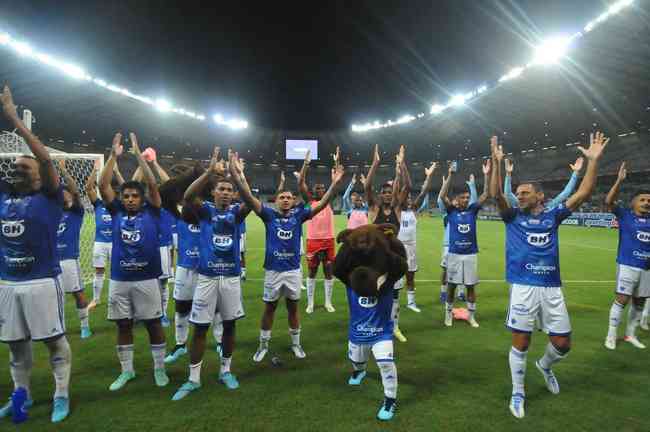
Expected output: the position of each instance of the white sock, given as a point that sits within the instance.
(646, 310)
(471, 308)
(449, 306)
(394, 312)
(83, 316)
(295, 336)
(98, 284)
(20, 364)
(243, 271)
(182, 326)
(443, 288)
(517, 360)
(61, 362)
(311, 288)
(329, 285)
(410, 297)
(217, 328)
(388, 372)
(164, 294)
(551, 356)
(125, 355)
(195, 372)
(158, 354)
(615, 313)
(633, 319)
(225, 365)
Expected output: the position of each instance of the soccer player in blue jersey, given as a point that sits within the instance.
(103, 233)
(462, 259)
(31, 297)
(533, 268)
(133, 290)
(189, 234)
(633, 275)
(358, 265)
(218, 287)
(67, 243)
(283, 277)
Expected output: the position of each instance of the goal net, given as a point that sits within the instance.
(79, 166)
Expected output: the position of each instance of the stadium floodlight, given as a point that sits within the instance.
(73, 70)
(4, 38)
(163, 105)
(552, 50)
(405, 119)
(481, 89)
(22, 48)
(512, 74)
(437, 109)
(100, 82)
(457, 100)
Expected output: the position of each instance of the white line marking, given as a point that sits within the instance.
(483, 280)
(588, 246)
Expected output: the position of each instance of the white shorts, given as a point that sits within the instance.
(632, 281)
(31, 310)
(462, 269)
(546, 303)
(71, 276)
(175, 241)
(165, 262)
(443, 259)
(138, 300)
(411, 256)
(102, 254)
(242, 243)
(278, 284)
(185, 283)
(217, 294)
(382, 351)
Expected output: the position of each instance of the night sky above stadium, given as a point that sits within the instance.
(298, 65)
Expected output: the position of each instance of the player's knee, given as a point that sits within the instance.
(562, 344)
(228, 326)
(639, 302)
(183, 307)
(124, 325)
(622, 299)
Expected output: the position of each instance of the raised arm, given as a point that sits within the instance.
(237, 174)
(612, 195)
(471, 184)
(105, 188)
(495, 179)
(507, 184)
(398, 183)
(281, 184)
(161, 172)
(347, 202)
(91, 184)
(337, 178)
(118, 174)
(426, 187)
(444, 190)
(148, 177)
(49, 176)
(570, 186)
(487, 165)
(597, 144)
(406, 184)
(70, 183)
(302, 176)
(367, 187)
(192, 195)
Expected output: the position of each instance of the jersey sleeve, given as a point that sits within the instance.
(509, 214)
(619, 211)
(474, 208)
(114, 206)
(266, 214)
(204, 211)
(97, 203)
(561, 212)
(305, 213)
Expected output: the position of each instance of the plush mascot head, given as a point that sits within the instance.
(370, 259)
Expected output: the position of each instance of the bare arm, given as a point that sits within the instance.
(236, 172)
(281, 184)
(407, 185)
(118, 175)
(397, 182)
(487, 165)
(192, 195)
(495, 180)
(105, 188)
(302, 183)
(337, 177)
(444, 190)
(367, 187)
(597, 144)
(612, 195)
(49, 176)
(149, 179)
(426, 186)
(137, 175)
(70, 183)
(161, 172)
(91, 185)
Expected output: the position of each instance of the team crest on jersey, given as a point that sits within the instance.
(538, 239)
(61, 228)
(222, 242)
(368, 302)
(107, 218)
(643, 236)
(284, 234)
(13, 228)
(463, 228)
(131, 237)
(193, 228)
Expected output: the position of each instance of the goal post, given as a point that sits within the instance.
(79, 166)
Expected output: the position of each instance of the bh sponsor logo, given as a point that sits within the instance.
(193, 228)
(538, 239)
(643, 236)
(131, 237)
(13, 228)
(284, 234)
(463, 228)
(222, 242)
(368, 302)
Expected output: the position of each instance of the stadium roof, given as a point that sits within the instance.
(307, 70)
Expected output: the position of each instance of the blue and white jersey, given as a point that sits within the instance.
(242, 229)
(103, 223)
(28, 242)
(167, 221)
(370, 317)
(136, 244)
(462, 230)
(532, 253)
(633, 239)
(189, 237)
(283, 237)
(67, 238)
(219, 253)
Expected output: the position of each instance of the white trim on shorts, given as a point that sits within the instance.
(165, 262)
(632, 281)
(529, 302)
(382, 351)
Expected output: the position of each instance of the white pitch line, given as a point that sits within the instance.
(483, 280)
(588, 246)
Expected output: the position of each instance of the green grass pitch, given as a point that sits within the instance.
(453, 379)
